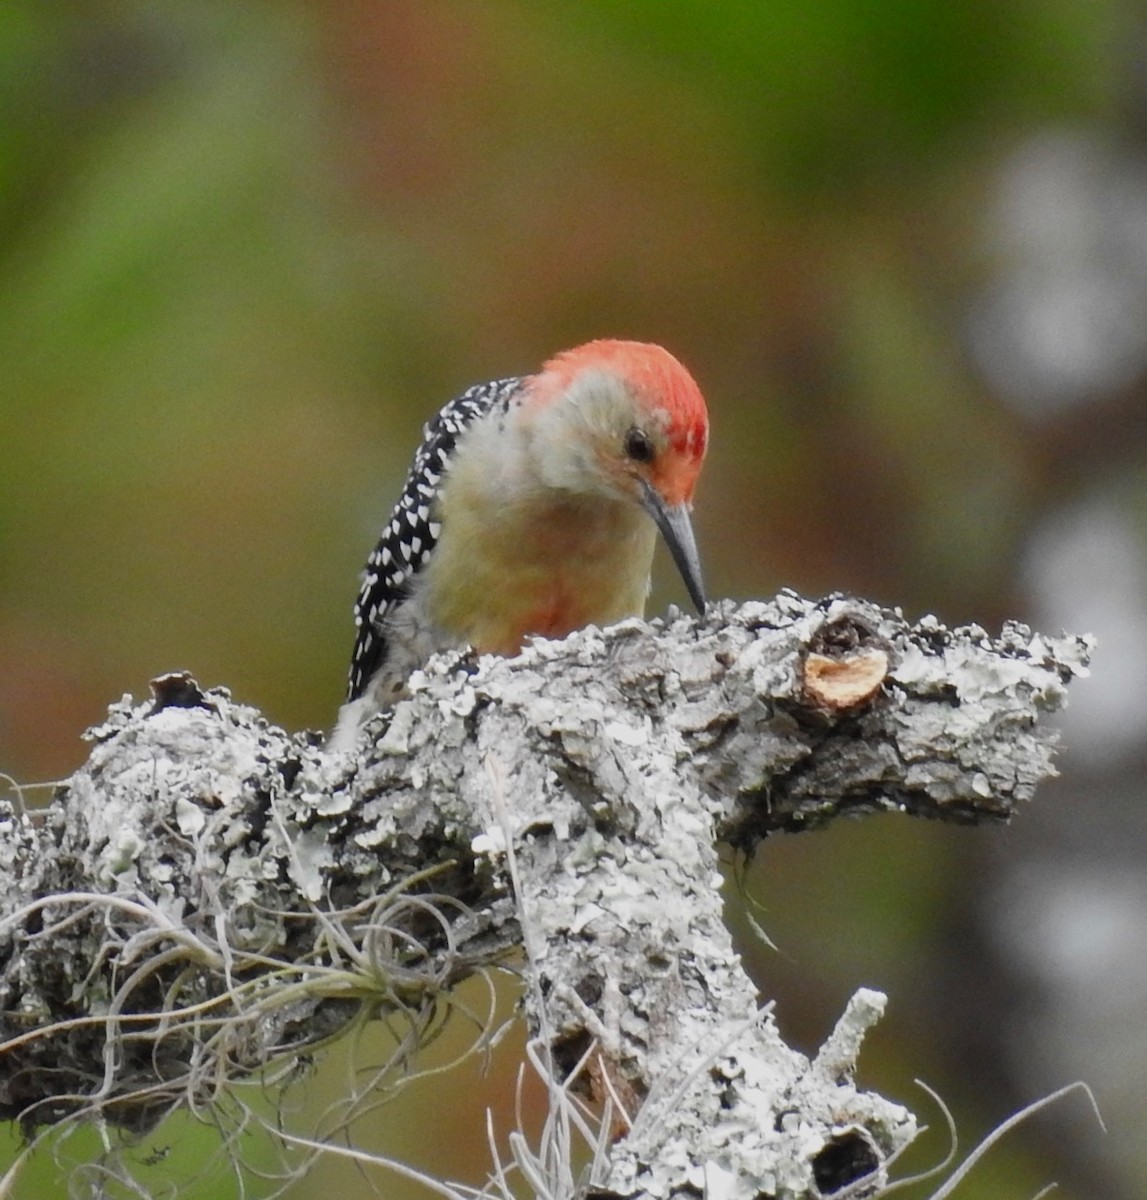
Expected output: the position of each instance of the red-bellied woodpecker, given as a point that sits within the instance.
(532, 507)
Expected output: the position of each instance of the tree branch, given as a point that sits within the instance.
(209, 894)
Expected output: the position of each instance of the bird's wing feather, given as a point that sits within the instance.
(409, 537)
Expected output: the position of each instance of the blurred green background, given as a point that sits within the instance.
(246, 249)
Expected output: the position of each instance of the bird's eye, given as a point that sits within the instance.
(639, 445)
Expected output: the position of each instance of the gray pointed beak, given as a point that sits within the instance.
(677, 530)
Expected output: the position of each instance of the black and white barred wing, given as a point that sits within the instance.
(409, 538)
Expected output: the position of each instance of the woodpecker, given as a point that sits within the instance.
(531, 508)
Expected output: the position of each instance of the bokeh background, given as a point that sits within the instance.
(246, 249)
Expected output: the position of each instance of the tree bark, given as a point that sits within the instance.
(210, 894)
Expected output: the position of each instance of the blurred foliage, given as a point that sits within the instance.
(851, 94)
(247, 249)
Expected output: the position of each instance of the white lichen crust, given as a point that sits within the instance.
(571, 800)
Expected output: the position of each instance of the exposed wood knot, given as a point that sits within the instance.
(848, 1157)
(177, 689)
(846, 664)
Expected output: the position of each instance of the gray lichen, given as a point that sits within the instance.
(205, 862)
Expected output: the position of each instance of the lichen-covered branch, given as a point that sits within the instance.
(210, 894)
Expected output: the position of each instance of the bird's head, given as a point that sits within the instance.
(631, 423)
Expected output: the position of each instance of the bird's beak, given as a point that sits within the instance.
(677, 530)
